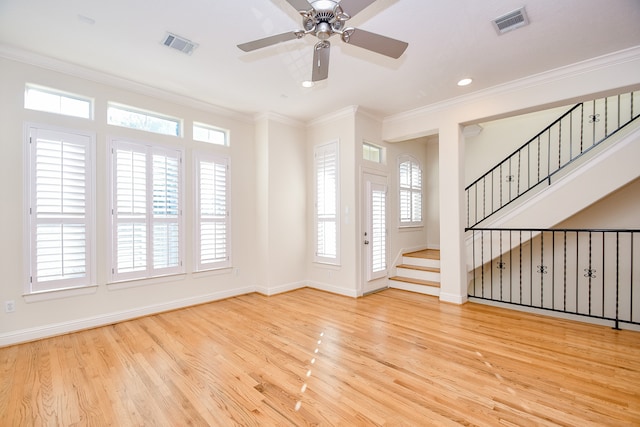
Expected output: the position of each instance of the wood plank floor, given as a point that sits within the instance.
(312, 358)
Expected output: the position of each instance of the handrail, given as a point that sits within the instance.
(586, 272)
(535, 161)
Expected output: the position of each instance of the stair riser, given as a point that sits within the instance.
(421, 262)
(418, 274)
(427, 290)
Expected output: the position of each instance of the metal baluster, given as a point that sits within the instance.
(617, 279)
(564, 299)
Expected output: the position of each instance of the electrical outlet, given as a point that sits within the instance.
(9, 306)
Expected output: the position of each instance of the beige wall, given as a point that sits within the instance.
(272, 228)
(57, 313)
(620, 209)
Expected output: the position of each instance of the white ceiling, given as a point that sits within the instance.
(448, 40)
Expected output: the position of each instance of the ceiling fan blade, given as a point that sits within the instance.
(375, 43)
(352, 7)
(320, 61)
(271, 40)
(299, 4)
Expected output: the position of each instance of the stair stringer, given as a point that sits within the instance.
(549, 205)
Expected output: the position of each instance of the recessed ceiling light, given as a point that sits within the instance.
(308, 83)
(465, 82)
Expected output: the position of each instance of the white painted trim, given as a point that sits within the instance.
(60, 293)
(274, 290)
(349, 292)
(75, 70)
(32, 334)
(604, 61)
(453, 298)
(346, 112)
(556, 314)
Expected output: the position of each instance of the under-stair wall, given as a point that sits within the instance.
(513, 255)
(594, 155)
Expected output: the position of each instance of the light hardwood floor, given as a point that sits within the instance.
(312, 358)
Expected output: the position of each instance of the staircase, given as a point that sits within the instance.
(418, 272)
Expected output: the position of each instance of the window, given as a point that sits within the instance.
(410, 192)
(146, 210)
(210, 134)
(213, 240)
(130, 117)
(60, 186)
(54, 101)
(371, 152)
(326, 203)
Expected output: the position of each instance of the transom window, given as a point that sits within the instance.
(210, 134)
(371, 152)
(134, 118)
(55, 101)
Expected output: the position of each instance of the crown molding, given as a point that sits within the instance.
(271, 116)
(37, 60)
(557, 74)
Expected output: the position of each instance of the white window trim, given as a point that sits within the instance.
(149, 113)
(409, 224)
(62, 94)
(91, 263)
(149, 272)
(210, 128)
(198, 266)
(335, 145)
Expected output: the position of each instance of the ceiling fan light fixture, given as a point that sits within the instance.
(308, 84)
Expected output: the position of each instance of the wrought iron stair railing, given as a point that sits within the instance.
(592, 273)
(571, 136)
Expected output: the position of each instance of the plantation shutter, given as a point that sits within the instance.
(326, 177)
(61, 214)
(166, 209)
(410, 195)
(378, 228)
(213, 221)
(146, 211)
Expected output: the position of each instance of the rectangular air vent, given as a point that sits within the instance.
(179, 43)
(510, 21)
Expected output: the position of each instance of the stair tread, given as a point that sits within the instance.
(425, 253)
(418, 267)
(415, 281)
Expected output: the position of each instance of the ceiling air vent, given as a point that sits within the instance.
(511, 21)
(179, 43)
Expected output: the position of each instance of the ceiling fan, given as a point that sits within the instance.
(326, 18)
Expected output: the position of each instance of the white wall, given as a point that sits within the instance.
(500, 138)
(282, 211)
(342, 278)
(602, 75)
(104, 304)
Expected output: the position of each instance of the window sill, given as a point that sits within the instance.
(410, 227)
(134, 283)
(60, 293)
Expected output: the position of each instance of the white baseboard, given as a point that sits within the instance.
(453, 298)
(269, 291)
(46, 331)
(349, 292)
